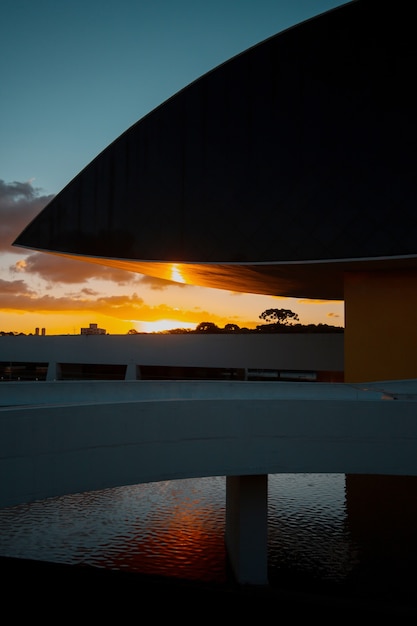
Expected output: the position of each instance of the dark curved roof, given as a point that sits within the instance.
(274, 173)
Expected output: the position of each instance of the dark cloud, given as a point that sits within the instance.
(89, 292)
(19, 204)
(14, 287)
(53, 268)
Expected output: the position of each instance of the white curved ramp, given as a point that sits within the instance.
(60, 438)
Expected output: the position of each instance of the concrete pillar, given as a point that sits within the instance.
(130, 371)
(246, 533)
(53, 372)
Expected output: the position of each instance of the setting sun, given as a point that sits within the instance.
(161, 325)
(176, 274)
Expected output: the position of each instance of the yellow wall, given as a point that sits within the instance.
(380, 325)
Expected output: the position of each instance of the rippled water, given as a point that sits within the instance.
(307, 526)
(167, 528)
(176, 528)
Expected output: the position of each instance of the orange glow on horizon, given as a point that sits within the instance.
(70, 323)
(67, 323)
(161, 325)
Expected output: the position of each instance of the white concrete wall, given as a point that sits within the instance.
(303, 351)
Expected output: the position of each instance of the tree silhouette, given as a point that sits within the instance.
(231, 327)
(207, 327)
(279, 316)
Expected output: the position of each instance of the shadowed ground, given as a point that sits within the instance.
(85, 589)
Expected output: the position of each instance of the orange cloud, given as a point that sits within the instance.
(18, 298)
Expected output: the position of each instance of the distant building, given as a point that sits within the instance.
(93, 330)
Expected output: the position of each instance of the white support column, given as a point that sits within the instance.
(246, 534)
(130, 371)
(53, 372)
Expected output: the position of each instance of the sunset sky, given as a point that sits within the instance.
(75, 76)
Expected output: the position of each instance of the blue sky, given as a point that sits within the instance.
(75, 75)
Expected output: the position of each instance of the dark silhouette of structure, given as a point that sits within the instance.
(288, 170)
